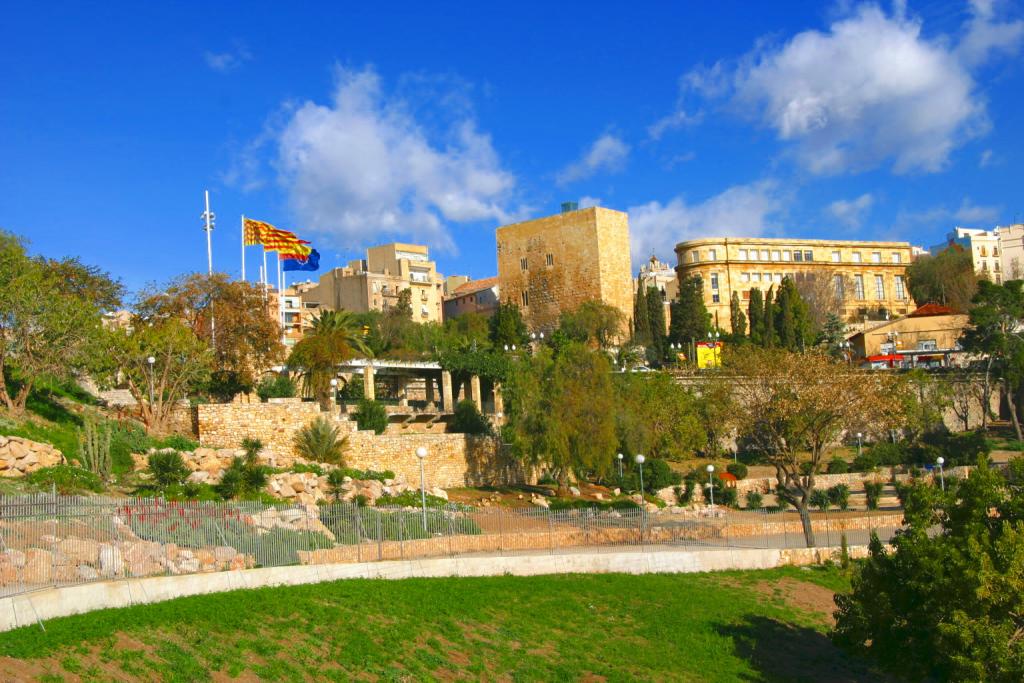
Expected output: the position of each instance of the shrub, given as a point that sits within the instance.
(873, 493)
(301, 467)
(371, 415)
(469, 420)
(737, 469)
(819, 499)
(865, 462)
(167, 468)
(684, 493)
(244, 477)
(321, 441)
(839, 495)
(66, 479)
(755, 501)
(252, 448)
(724, 495)
(275, 386)
(579, 504)
(335, 480)
(364, 475)
(658, 474)
(837, 466)
(888, 454)
(127, 438)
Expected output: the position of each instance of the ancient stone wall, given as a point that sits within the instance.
(452, 459)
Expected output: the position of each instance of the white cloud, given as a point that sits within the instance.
(361, 169)
(587, 201)
(870, 90)
(851, 212)
(985, 159)
(223, 62)
(676, 119)
(986, 35)
(942, 219)
(741, 210)
(607, 153)
(974, 213)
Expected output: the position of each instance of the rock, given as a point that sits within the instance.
(111, 561)
(81, 550)
(38, 566)
(598, 496)
(441, 493)
(616, 492)
(224, 553)
(574, 491)
(198, 477)
(87, 572)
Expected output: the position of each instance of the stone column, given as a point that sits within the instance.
(446, 391)
(428, 383)
(499, 401)
(474, 391)
(368, 384)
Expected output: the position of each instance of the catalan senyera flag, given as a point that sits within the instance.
(284, 242)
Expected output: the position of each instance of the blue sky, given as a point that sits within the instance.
(359, 123)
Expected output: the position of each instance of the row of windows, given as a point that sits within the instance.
(549, 260)
(793, 255)
(838, 280)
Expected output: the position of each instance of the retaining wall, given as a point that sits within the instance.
(30, 608)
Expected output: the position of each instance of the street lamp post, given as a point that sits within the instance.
(334, 390)
(713, 337)
(151, 360)
(711, 483)
(640, 461)
(619, 458)
(421, 453)
(940, 461)
(860, 436)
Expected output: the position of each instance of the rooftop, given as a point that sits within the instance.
(475, 286)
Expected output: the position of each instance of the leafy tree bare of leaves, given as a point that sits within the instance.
(796, 407)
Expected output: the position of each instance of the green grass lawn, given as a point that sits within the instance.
(731, 626)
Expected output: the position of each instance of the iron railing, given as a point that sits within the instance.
(51, 540)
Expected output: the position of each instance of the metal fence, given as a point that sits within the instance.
(50, 540)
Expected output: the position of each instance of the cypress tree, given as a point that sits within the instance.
(785, 322)
(755, 314)
(737, 320)
(641, 317)
(768, 336)
(690, 319)
(656, 320)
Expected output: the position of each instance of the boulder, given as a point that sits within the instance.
(111, 561)
(574, 491)
(81, 550)
(38, 566)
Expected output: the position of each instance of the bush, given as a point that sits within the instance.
(167, 468)
(865, 462)
(819, 499)
(755, 501)
(371, 415)
(66, 479)
(724, 495)
(658, 474)
(873, 493)
(321, 441)
(837, 466)
(469, 420)
(364, 475)
(737, 469)
(839, 495)
(957, 449)
(579, 504)
(243, 478)
(275, 386)
(127, 438)
(888, 454)
(335, 480)
(684, 493)
(300, 468)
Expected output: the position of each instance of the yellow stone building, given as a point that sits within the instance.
(860, 278)
(551, 265)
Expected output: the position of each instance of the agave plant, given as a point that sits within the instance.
(321, 441)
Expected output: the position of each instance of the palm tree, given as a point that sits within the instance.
(335, 337)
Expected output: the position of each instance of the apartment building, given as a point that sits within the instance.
(551, 265)
(474, 296)
(863, 277)
(374, 283)
(984, 248)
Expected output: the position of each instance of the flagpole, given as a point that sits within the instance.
(280, 293)
(266, 273)
(243, 247)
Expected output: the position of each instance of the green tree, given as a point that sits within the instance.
(371, 415)
(769, 335)
(656, 316)
(641, 317)
(181, 366)
(737, 319)
(50, 319)
(946, 604)
(690, 320)
(593, 322)
(469, 420)
(506, 327)
(716, 411)
(755, 312)
(561, 412)
(832, 334)
(335, 336)
(994, 329)
(793, 320)
(656, 416)
(948, 278)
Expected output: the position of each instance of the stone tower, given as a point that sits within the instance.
(551, 265)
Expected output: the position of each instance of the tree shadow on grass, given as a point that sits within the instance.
(783, 652)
